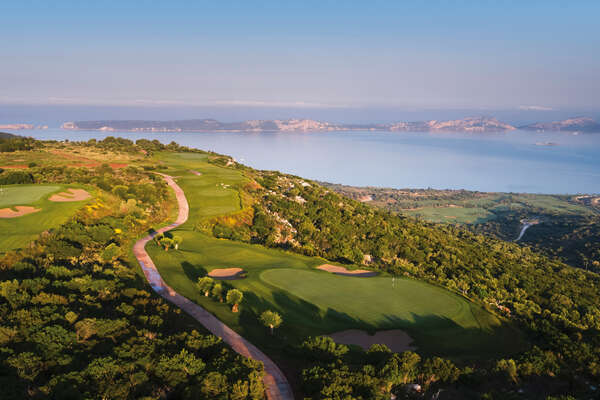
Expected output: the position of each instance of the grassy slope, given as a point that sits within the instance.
(311, 302)
(20, 231)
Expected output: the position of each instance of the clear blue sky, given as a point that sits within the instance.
(412, 54)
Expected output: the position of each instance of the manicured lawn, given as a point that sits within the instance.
(313, 302)
(24, 194)
(20, 231)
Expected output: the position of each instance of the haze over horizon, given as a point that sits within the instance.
(236, 60)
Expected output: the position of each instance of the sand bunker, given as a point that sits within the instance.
(396, 339)
(195, 172)
(334, 269)
(227, 273)
(20, 211)
(70, 195)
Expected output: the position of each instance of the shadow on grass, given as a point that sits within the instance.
(433, 335)
(441, 336)
(192, 271)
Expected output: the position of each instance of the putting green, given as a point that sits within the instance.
(24, 194)
(378, 301)
(20, 231)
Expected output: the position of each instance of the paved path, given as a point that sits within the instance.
(277, 386)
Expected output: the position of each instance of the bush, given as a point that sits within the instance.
(323, 348)
(16, 177)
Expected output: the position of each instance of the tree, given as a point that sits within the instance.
(234, 297)
(111, 252)
(271, 319)
(177, 240)
(323, 348)
(28, 365)
(217, 292)
(205, 284)
(166, 243)
(509, 368)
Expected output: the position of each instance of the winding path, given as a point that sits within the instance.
(277, 386)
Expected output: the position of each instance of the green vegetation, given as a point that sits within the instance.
(78, 320)
(18, 232)
(441, 322)
(323, 302)
(567, 228)
(271, 319)
(458, 215)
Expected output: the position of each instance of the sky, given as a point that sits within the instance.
(322, 55)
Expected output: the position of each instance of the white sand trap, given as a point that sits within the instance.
(70, 195)
(227, 273)
(334, 269)
(196, 172)
(20, 211)
(396, 339)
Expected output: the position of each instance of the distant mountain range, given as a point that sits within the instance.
(475, 125)
(580, 124)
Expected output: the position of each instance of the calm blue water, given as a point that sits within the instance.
(507, 162)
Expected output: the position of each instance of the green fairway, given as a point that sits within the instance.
(452, 215)
(20, 231)
(312, 302)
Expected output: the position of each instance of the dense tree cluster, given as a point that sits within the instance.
(77, 321)
(378, 373)
(10, 144)
(555, 304)
(15, 177)
(573, 238)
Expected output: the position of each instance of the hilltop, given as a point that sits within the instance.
(5, 135)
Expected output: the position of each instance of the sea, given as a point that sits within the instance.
(516, 161)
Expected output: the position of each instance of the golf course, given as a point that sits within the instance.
(311, 301)
(28, 210)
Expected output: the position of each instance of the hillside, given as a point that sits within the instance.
(489, 318)
(579, 124)
(4, 135)
(564, 226)
(475, 125)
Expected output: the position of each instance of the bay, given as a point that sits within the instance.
(517, 161)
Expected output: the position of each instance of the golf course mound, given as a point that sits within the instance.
(227, 273)
(395, 339)
(70, 195)
(334, 269)
(18, 212)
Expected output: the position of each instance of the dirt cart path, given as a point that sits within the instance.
(277, 386)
